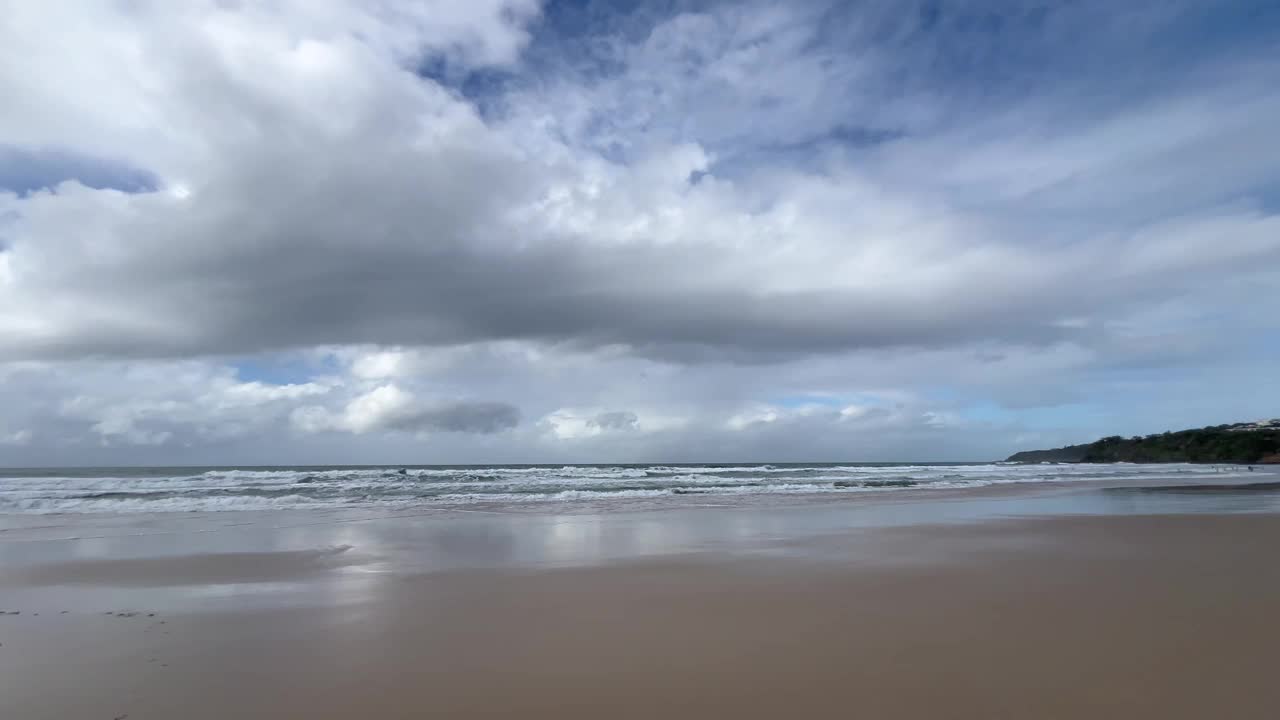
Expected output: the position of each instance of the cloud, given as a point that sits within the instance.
(388, 407)
(630, 226)
(615, 420)
(859, 406)
(254, 394)
(484, 417)
(17, 437)
(421, 222)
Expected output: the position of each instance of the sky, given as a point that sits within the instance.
(250, 232)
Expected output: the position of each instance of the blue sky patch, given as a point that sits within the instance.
(286, 369)
(26, 170)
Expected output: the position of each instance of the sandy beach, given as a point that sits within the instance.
(961, 608)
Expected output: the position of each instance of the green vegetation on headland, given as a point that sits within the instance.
(1238, 443)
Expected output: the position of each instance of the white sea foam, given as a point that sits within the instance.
(304, 488)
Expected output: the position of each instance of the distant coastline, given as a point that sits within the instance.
(1254, 443)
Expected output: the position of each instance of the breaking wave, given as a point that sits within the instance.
(185, 489)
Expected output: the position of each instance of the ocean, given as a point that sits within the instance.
(203, 489)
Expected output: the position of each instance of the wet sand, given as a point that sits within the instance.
(1133, 616)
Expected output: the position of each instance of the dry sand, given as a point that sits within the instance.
(1095, 617)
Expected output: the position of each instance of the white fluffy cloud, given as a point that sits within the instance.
(780, 228)
(388, 407)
